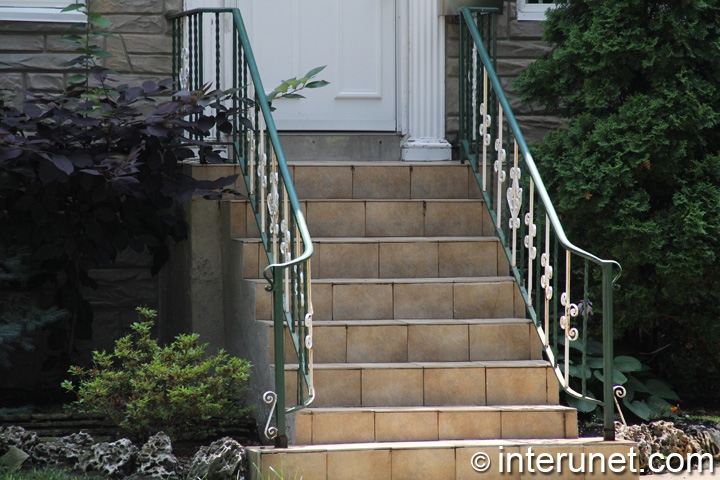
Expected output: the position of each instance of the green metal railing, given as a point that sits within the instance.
(204, 56)
(542, 260)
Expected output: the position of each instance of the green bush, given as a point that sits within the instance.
(635, 173)
(145, 388)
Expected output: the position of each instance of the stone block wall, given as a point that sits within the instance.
(31, 53)
(519, 43)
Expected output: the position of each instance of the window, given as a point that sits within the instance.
(38, 11)
(533, 9)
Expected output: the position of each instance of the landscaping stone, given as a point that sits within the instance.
(13, 436)
(222, 460)
(156, 459)
(63, 451)
(14, 458)
(115, 459)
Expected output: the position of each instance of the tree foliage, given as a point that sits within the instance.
(635, 172)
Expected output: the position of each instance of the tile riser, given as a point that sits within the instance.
(441, 460)
(417, 341)
(360, 425)
(387, 260)
(380, 300)
(430, 384)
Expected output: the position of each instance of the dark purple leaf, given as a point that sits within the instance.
(47, 172)
(132, 93)
(149, 86)
(32, 110)
(206, 123)
(158, 130)
(8, 153)
(90, 171)
(81, 159)
(62, 163)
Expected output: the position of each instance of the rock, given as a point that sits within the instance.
(63, 451)
(156, 459)
(115, 459)
(222, 460)
(14, 458)
(17, 437)
(662, 437)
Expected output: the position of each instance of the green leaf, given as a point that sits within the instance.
(594, 362)
(317, 84)
(73, 7)
(627, 364)
(578, 371)
(618, 377)
(101, 22)
(315, 71)
(640, 409)
(661, 389)
(293, 95)
(581, 405)
(636, 385)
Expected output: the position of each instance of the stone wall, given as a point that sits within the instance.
(31, 53)
(519, 43)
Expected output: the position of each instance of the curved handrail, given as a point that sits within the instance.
(514, 195)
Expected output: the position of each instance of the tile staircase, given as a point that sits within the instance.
(423, 356)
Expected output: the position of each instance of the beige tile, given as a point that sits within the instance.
(263, 302)
(466, 425)
(439, 182)
(326, 181)
(528, 386)
(438, 343)
(503, 265)
(295, 465)
(616, 450)
(382, 344)
(488, 229)
(558, 464)
(483, 300)
(527, 424)
(250, 260)
(406, 426)
(418, 463)
(303, 428)
(359, 464)
(362, 301)
(504, 341)
(390, 387)
(379, 182)
(291, 385)
(348, 260)
(336, 219)
(238, 220)
(332, 428)
(322, 301)
(468, 259)
(553, 387)
(330, 344)
(453, 219)
(337, 388)
(465, 455)
(520, 307)
(455, 386)
(394, 219)
(423, 300)
(409, 260)
(571, 424)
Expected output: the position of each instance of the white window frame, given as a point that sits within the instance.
(39, 11)
(532, 11)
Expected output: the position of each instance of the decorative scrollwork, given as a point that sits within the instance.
(485, 125)
(185, 69)
(571, 311)
(273, 204)
(619, 392)
(270, 398)
(547, 276)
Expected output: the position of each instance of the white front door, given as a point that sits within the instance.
(354, 38)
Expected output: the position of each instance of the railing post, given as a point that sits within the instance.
(608, 355)
(281, 441)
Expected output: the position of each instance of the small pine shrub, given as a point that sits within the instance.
(145, 388)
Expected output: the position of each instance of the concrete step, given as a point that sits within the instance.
(402, 257)
(416, 384)
(395, 341)
(442, 460)
(408, 299)
(317, 426)
(388, 180)
(378, 218)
